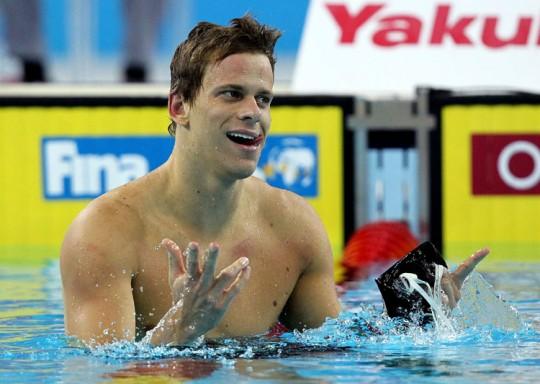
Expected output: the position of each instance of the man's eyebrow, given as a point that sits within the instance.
(229, 86)
(237, 87)
(266, 92)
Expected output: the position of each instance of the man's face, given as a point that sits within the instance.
(230, 117)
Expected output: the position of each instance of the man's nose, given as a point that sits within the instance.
(250, 110)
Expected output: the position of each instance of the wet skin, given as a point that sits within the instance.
(271, 254)
(134, 260)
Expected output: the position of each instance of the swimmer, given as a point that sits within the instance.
(200, 247)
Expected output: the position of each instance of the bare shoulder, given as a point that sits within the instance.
(97, 263)
(293, 217)
(104, 235)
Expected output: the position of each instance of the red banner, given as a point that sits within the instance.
(505, 164)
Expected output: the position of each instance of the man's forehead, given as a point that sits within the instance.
(239, 65)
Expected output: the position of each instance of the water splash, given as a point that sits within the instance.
(434, 297)
(480, 317)
(480, 306)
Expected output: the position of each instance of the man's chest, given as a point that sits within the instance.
(274, 272)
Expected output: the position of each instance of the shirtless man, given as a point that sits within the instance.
(133, 260)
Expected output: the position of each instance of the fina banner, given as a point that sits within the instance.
(359, 46)
(491, 181)
(304, 153)
(291, 162)
(55, 159)
(85, 167)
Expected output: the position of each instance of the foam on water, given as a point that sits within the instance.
(480, 316)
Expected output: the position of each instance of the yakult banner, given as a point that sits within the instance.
(359, 46)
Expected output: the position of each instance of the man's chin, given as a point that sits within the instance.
(240, 172)
(246, 168)
(242, 168)
(245, 173)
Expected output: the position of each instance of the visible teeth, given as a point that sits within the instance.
(240, 135)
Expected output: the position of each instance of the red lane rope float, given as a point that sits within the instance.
(375, 245)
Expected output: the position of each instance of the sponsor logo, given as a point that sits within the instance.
(505, 164)
(86, 167)
(290, 162)
(391, 29)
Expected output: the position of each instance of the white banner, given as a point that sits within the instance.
(393, 46)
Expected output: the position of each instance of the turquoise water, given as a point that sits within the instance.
(487, 341)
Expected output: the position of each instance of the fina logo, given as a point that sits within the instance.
(86, 167)
(290, 162)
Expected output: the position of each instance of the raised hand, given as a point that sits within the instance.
(200, 298)
(452, 282)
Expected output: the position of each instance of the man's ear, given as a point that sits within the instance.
(178, 110)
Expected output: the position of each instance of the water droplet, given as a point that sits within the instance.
(97, 285)
(141, 288)
(150, 314)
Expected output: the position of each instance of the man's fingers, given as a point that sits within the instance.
(229, 275)
(448, 288)
(176, 262)
(210, 261)
(239, 283)
(192, 260)
(465, 268)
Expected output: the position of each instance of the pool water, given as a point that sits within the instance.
(487, 341)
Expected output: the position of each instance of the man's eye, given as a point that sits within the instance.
(232, 94)
(264, 100)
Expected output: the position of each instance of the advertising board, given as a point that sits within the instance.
(394, 46)
(56, 156)
(491, 180)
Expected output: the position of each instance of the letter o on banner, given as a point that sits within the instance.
(503, 165)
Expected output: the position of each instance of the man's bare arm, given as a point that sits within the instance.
(97, 262)
(314, 297)
(96, 277)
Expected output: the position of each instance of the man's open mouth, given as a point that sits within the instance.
(244, 139)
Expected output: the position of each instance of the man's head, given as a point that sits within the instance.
(208, 44)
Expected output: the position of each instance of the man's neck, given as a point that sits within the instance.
(199, 197)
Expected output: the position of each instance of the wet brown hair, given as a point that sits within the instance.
(210, 43)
